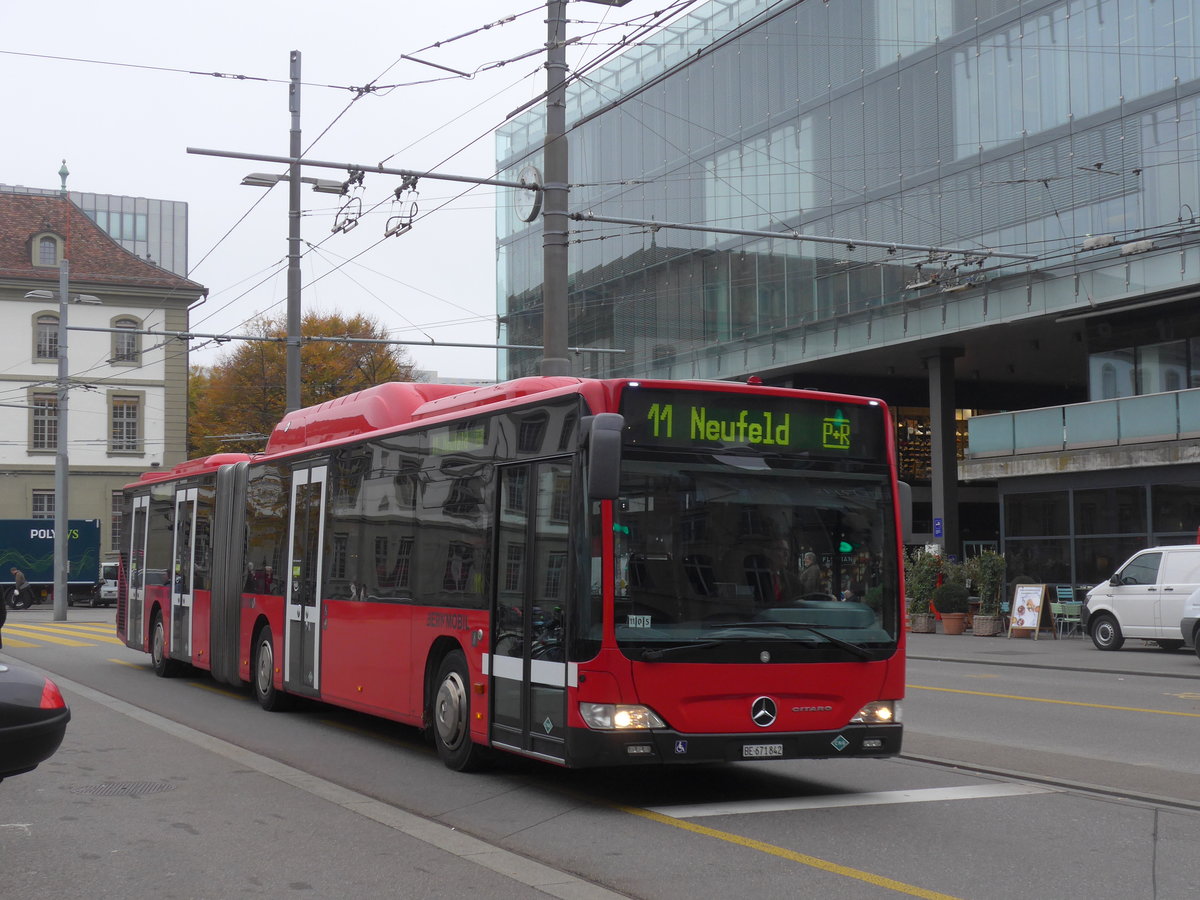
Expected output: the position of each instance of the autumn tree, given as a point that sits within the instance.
(245, 391)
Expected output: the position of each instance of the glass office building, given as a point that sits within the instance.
(1000, 194)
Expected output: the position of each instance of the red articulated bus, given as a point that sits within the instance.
(587, 572)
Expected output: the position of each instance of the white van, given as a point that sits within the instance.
(1189, 625)
(1145, 598)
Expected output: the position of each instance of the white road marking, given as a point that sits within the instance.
(834, 801)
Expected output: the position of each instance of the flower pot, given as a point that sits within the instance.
(922, 623)
(987, 626)
(954, 623)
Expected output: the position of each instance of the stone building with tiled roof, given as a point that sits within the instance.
(127, 399)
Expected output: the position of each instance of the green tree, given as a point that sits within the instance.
(245, 391)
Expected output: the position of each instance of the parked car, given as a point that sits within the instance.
(1145, 598)
(33, 720)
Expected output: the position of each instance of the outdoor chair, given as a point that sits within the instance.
(1070, 621)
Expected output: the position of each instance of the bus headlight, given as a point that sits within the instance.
(615, 717)
(878, 712)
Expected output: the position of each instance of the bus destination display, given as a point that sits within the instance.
(695, 420)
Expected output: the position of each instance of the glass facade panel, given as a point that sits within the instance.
(1175, 509)
(1119, 510)
(1036, 515)
(1045, 560)
(1162, 367)
(845, 120)
(1112, 374)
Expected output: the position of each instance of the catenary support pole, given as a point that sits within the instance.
(293, 264)
(61, 454)
(554, 206)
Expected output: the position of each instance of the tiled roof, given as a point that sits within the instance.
(94, 257)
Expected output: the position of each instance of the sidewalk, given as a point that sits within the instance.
(1137, 657)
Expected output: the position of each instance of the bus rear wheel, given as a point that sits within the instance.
(452, 717)
(269, 697)
(163, 667)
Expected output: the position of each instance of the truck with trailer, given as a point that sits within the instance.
(28, 545)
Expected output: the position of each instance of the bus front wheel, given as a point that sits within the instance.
(452, 717)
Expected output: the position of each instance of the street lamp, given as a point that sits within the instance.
(320, 185)
(61, 455)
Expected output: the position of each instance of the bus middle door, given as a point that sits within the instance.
(528, 663)
(302, 632)
(135, 574)
(184, 558)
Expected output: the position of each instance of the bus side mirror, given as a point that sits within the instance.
(904, 496)
(604, 455)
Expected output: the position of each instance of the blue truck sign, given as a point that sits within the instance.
(28, 545)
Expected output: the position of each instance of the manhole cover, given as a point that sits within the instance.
(124, 788)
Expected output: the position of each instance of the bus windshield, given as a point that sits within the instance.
(724, 557)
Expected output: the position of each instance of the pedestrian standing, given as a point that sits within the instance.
(20, 584)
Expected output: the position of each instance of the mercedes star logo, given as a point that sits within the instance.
(763, 712)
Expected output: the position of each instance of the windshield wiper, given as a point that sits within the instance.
(857, 649)
(659, 653)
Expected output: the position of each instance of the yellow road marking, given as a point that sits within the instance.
(1157, 712)
(24, 632)
(792, 855)
(76, 631)
(15, 642)
(216, 690)
(125, 662)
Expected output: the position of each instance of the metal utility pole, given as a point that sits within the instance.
(61, 457)
(554, 204)
(293, 266)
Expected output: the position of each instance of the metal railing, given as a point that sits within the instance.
(1174, 415)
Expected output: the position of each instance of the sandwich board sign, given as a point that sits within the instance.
(1028, 606)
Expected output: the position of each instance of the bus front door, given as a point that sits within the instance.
(184, 559)
(302, 636)
(135, 574)
(528, 665)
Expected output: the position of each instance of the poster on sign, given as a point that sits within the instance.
(1027, 608)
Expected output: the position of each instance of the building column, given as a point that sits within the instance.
(943, 448)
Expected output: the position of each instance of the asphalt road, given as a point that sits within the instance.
(1030, 770)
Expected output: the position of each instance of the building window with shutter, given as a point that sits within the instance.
(43, 435)
(117, 513)
(125, 417)
(126, 342)
(45, 336)
(43, 505)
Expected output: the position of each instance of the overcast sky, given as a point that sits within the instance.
(124, 129)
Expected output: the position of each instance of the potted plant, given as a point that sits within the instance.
(951, 601)
(921, 570)
(986, 574)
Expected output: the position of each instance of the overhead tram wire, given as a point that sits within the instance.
(387, 198)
